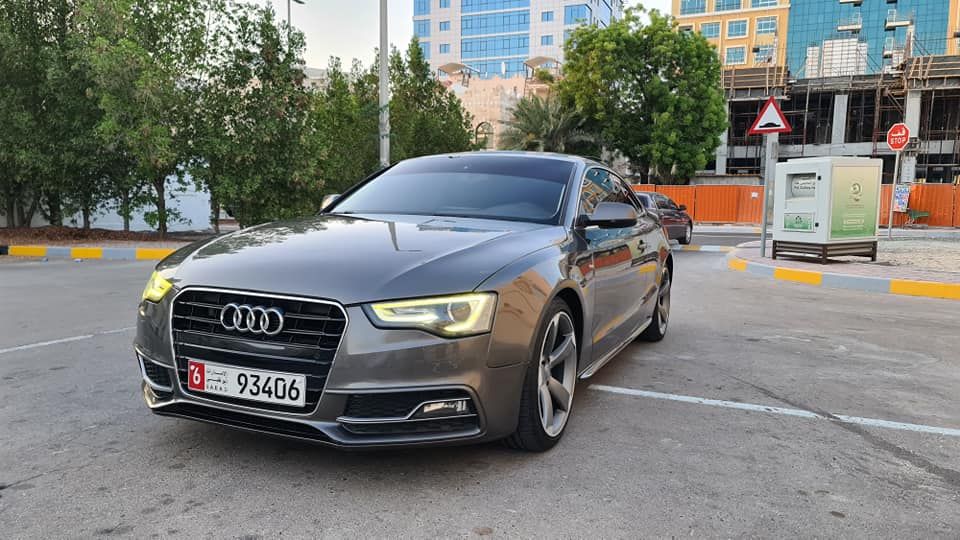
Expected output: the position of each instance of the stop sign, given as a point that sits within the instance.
(898, 137)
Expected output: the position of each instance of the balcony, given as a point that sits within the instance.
(896, 19)
(850, 24)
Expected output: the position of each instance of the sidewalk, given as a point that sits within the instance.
(847, 274)
(897, 233)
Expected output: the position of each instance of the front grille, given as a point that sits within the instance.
(159, 375)
(307, 344)
(394, 404)
(439, 426)
(240, 420)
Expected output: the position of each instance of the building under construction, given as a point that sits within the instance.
(844, 71)
(850, 115)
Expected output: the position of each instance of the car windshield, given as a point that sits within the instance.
(644, 200)
(512, 188)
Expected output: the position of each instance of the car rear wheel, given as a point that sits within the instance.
(661, 311)
(547, 396)
(687, 234)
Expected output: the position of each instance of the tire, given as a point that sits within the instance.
(661, 310)
(537, 431)
(687, 234)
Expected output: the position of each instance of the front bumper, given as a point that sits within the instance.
(375, 376)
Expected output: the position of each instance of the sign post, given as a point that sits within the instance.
(897, 138)
(769, 123)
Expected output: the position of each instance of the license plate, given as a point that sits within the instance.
(253, 384)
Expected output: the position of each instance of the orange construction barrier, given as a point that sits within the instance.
(744, 204)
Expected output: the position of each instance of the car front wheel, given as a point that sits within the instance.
(687, 234)
(547, 396)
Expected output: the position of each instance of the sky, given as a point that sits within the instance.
(349, 29)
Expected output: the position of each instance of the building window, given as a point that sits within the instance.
(763, 55)
(495, 23)
(737, 29)
(425, 47)
(444, 26)
(735, 56)
(727, 5)
(766, 25)
(421, 28)
(444, 48)
(546, 16)
(499, 67)
(710, 29)
(493, 47)
(762, 3)
(688, 7)
(577, 14)
(546, 40)
(473, 6)
(421, 7)
(444, 4)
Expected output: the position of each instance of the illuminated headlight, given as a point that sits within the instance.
(448, 316)
(156, 288)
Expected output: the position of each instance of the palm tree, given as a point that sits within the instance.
(543, 125)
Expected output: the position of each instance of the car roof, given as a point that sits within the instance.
(492, 154)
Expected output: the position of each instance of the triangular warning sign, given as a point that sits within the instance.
(770, 120)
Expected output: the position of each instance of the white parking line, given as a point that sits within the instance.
(64, 340)
(873, 422)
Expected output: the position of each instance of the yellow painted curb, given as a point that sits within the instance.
(28, 251)
(152, 254)
(930, 289)
(739, 265)
(689, 248)
(799, 276)
(86, 253)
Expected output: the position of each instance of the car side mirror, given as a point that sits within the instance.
(682, 208)
(328, 200)
(611, 215)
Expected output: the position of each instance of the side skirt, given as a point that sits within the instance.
(590, 370)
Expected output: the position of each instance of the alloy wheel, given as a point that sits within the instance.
(663, 301)
(557, 374)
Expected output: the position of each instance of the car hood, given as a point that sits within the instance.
(357, 259)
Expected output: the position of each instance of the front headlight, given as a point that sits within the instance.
(448, 316)
(156, 288)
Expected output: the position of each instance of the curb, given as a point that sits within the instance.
(905, 287)
(106, 253)
(707, 249)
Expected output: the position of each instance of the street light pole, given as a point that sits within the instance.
(289, 23)
(384, 89)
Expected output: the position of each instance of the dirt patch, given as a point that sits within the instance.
(941, 254)
(70, 236)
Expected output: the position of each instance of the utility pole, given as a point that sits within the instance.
(384, 88)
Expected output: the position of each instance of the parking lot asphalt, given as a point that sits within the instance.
(643, 456)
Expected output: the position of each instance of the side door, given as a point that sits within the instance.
(669, 215)
(618, 284)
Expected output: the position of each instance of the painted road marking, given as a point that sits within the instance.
(800, 413)
(64, 340)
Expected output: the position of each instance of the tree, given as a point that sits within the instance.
(654, 93)
(543, 125)
(256, 141)
(143, 56)
(425, 117)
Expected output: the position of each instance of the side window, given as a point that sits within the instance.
(630, 196)
(598, 187)
(663, 202)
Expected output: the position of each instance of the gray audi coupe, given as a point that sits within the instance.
(444, 300)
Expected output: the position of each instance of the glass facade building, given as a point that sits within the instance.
(832, 38)
(496, 37)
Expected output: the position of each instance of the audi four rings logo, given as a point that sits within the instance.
(253, 319)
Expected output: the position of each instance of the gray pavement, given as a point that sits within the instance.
(82, 457)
